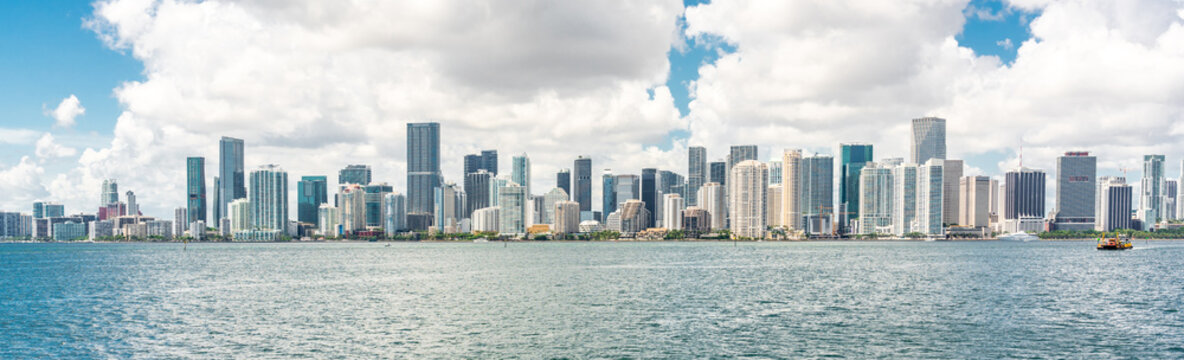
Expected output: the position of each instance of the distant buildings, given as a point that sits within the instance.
(696, 172)
(582, 184)
(355, 174)
(853, 157)
(608, 192)
(394, 213)
(231, 181)
(1076, 187)
(975, 201)
(951, 197)
(567, 217)
(816, 193)
(512, 201)
(1151, 200)
(712, 200)
(791, 189)
(1024, 200)
(520, 172)
(423, 166)
(749, 183)
(477, 188)
(1114, 204)
(649, 190)
(875, 199)
(930, 197)
(672, 207)
(195, 189)
(929, 140)
(269, 198)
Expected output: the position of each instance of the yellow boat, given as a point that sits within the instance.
(1114, 243)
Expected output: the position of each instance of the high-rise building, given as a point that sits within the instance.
(1179, 196)
(1114, 204)
(512, 201)
(718, 173)
(328, 220)
(853, 157)
(375, 212)
(1024, 200)
(628, 187)
(582, 186)
(649, 190)
(1151, 201)
(180, 221)
(218, 214)
(773, 202)
(950, 194)
(817, 193)
(696, 172)
(133, 208)
(239, 213)
(486, 219)
(269, 198)
(477, 186)
(748, 187)
(975, 201)
(929, 139)
(448, 206)
(633, 217)
(775, 172)
(672, 206)
(231, 181)
(711, 195)
(1076, 189)
(608, 192)
(563, 180)
(548, 207)
(394, 213)
(667, 183)
(195, 189)
(567, 217)
(110, 191)
(875, 199)
(351, 208)
(311, 192)
(1171, 189)
(930, 197)
(904, 202)
(423, 166)
(487, 161)
(791, 189)
(520, 173)
(355, 174)
(741, 153)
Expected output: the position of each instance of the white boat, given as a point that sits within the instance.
(481, 240)
(1019, 236)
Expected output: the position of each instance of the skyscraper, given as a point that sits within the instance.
(489, 161)
(649, 190)
(741, 153)
(975, 201)
(232, 184)
(773, 202)
(904, 202)
(110, 193)
(1076, 188)
(711, 195)
(696, 172)
(448, 205)
(352, 209)
(547, 210)
(1170, 196)
(375, 212)
(311, 192)
(218, 213)
(791, 189)
(853, 158)
(930, 197)
(775, 172)
(133, 208)
(563, 180)
(875, 199)
(719, 173)
(951, 211)
(512, 202)
(355, 174)
(195, 188)
(1151, 201)
(817, 192)
(269, 198)
(672, 207)
(477, 185)
(749, 183)
(520, 174)
(395, 213)
(567, 217)
(1024, 200)
(582, 186)
(628, 187)
(608, 192)
(423, 166)
(929, 139)
(1114, 205)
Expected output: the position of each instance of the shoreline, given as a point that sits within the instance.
(358, 241)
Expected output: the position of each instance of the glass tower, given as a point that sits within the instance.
(195, 186)
(423, 166)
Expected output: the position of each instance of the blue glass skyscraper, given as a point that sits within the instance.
(195, 186)
(423, 166)
(311, 192)
(230, 172)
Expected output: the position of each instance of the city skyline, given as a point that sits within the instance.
(63, 141)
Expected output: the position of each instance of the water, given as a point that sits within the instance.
(591, 300)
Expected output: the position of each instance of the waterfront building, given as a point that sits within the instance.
(1114, 207)
(672, 206)
(904, 202)
(791, 189)
(355, 174)
(567, 217)
(375, 212)
(110, 191)
(101, 229)
(269, 198)
(649, 190)
(520, 172)
(14, 225)
(1075, 192)
(239, 213)
(875, 199)
(394, 213)
(195, 189)
(712, 200)
(69, 231)
(951, 197)
(423, 166)
(1170, 192)
(477, 187)
(582, 183)
(563, 180)
(513, 202)
(632, 216)
(231, 183)
(547, 208)
(773, 213)
(748, 189)
(329, 221)
(449, 205)
(852, 158)
(1151, 200)
(311, 192)
(590, 226)
(132, 207)
(930, 197)
(608, 192)
(486, 219)
(160, 229)
(695, 221)
(351, 209)
(1024, 200)
(628, 187)
(929, 140)
(975, 201)
(180, 220)
(696, 173)
(817, 193)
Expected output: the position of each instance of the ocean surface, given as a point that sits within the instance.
(592, 300)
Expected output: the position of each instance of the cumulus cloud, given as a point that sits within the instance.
(47, 148)
(22, 184)
(67, 110)
(17, 136)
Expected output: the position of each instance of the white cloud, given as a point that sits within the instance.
(22, 185)
(17, 136)
(67, 110)
(1006, 44)
(48, 149)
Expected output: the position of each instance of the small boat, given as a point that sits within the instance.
(1114, 243)
(481, 240)
(1019, 236)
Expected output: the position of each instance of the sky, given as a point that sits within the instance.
(126, 89)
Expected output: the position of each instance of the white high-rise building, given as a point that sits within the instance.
(269, 198)
(239, 212)
(549, 200)
(395, 214)
(930, 191)
(567, 217)
(711, 198)
(513, 203)
(904, 202)
(875, 199)
(791, 189)
(1151, 201)
(672, 207)
(748, 187)
(328, 219)
(180, 221)
(486, 219)
(352, 208)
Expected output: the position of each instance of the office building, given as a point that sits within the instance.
(448, 205)
(633, 217)
(672, 206)
(853, 157)
(567, 217)
(231, 182)
(773, 213)
(110, 192)
(741, 153)
(477, 191)
(1151, 200)
(628, 187)
(904, 202)
(712, 199)
(930, 197)
(329, 221)
(950, 194)
(563, 180)
(1170, 192)
(547, 208)
(718, 172)
(269, 198)
(775, 172)
(355, 174)
(486, 219)
(487, 161)
(423, 166)
(311, 192)
(817, 193)
(239, 213)
(929, 140)
(14, 225)
(512, 201)
(696, 172)
(649, 190)
(351, 209)
(1114, 205)
(520, 172)
(195, 189)
(582, 184)
(695, 221)
(748, 188)
(394, 213)
(69, 231)
(875, 199)
(180, 220)
(375, 193)
(1076, 188)
(133, 208)
(975, 201)
(791, 189)
(1024, 200)
(608, 192)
